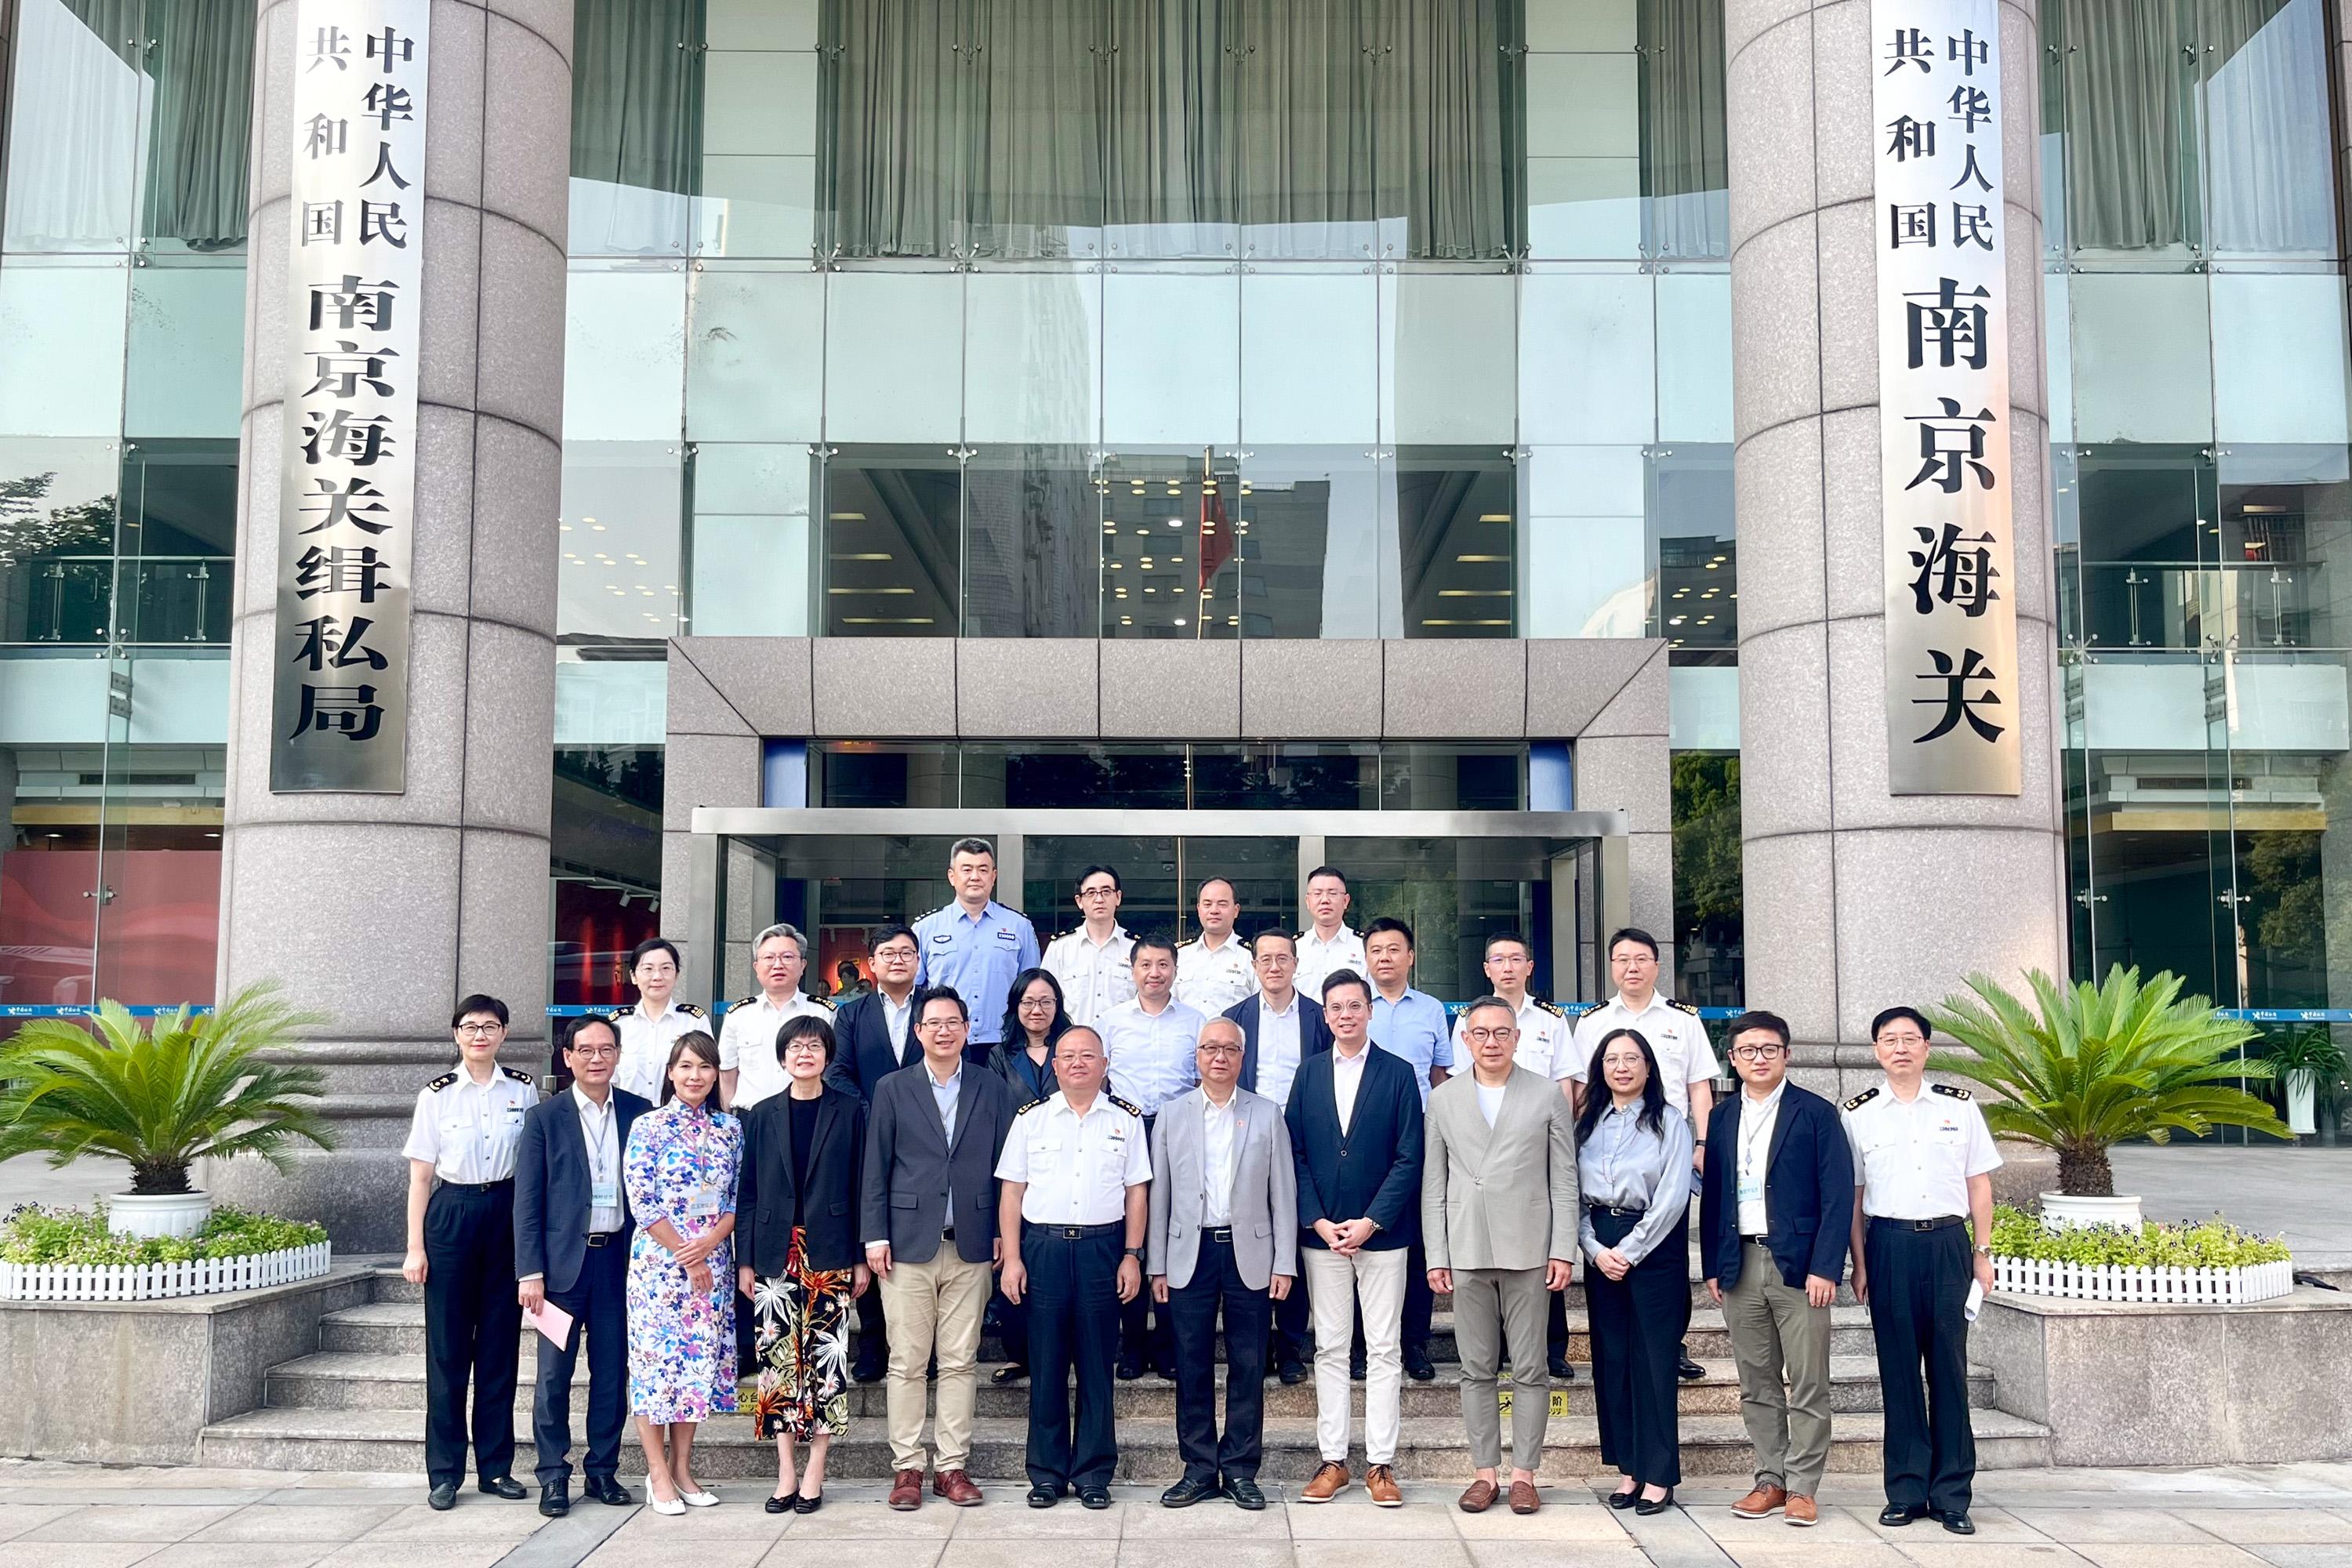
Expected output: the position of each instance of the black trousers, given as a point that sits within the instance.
(1637, 1328)
(873, 1338)
(1918, 1299)
(473, 1328)
(598, 1302)
(1293, 1319)
(1216, 1284)
(1073, 1328)
(1012, 1326)
(1145, 1336)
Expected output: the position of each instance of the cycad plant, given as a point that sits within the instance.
(163, 1095)
(2100, 1063)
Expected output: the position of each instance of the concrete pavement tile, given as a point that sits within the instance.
(1783, 1554)
(1006, 1551)
(1556, 1554)
(73, 1554)
(2285, 1525)
(485, 1521)
(2167, 1554)
(854, 1554)
(2301, 1556)
(1350, 1516)
(1947, 1552)
(1168, 1552)
(872, 1519)
(457, 1552)
(1010, 1519)
(682, 1552)
(1993, 1524)
(1383, 1552)
(119, 1522)
(1560, 1519)
(16, 1517)
(1218, 1520)
(266, 1522)
(239, 1555)
(2137, 1526)
(725, 1522)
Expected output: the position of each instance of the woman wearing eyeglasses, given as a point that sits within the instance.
(1024, 1059)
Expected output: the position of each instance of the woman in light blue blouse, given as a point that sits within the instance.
(1633, 1168)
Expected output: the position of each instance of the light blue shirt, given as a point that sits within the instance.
(1625, 1165)
(978, 956)
(1414, 1026)
(943, 1095)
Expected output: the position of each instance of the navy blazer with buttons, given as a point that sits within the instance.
(861, 1056)
(1808, 1190)
(1314, 1034)
(551, 1187)
(1373, 1170)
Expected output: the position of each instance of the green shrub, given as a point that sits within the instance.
(2212, 1244)
(33, 1235)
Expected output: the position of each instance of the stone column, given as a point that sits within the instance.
(382, 910)
(1857, 899)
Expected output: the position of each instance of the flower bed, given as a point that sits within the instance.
(69, 1255)
(2210, 1265)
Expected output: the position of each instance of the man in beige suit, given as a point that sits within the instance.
(1498, 1214)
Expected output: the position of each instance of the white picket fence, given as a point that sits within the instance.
(2144, 1285)
(155, 1281)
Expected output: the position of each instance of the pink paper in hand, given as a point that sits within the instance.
(553, 1322)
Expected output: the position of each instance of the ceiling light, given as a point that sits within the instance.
(861, 555)
(869, 590)
(1474, 592)
(886, 620)
(846, 515)
(1494, 517)
(1482, 558)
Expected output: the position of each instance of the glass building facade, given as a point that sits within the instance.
(1207, 320)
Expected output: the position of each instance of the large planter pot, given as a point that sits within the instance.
(158, 1214)
(2063, 1211)
(2302, 1092)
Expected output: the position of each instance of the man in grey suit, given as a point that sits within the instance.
(1224, 1233)
(928, 1215)
(1498, 1214)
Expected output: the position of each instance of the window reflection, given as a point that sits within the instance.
(1458, 541)
(893, 540)
(1693, 532)
(619, 586)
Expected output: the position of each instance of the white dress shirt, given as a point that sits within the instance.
(1676, 1038)
(1544, 1035)
(1213, 978)
(1077, 1168)
(1153, 1056)
(896, 1017)
(1095, 977)
(747, 1044)
(645, 1040)
(1756, 1121)
(469, 1131)
(1346, 1078)
(1278, 1047)
(1318, 958)
(1220, 1137)
(1914, 1161)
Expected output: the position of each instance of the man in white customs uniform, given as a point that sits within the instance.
(748, 1069)
(1213, 969)
(1923, 1165)
(1328, 943)
(651, 1024)
(1091, 964)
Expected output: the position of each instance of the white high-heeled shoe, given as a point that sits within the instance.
(698, 1500)
(672, 1507)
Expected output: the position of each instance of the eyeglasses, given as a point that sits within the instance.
(1901, 1039)
(1029, 1002)
(596, 1053)
(1097, 893)
(1220, 1051)
(936, 1025)
(894, 955)
(484, 1030)
(1756, 1053)
(1480, 1036)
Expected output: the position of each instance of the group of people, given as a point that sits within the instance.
(1152, 1142)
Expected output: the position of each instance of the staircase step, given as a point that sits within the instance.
(336, 1380)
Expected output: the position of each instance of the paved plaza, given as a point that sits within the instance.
(72, 1516)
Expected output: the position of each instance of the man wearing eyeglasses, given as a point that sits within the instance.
(1091, 964)
(1774, 1208)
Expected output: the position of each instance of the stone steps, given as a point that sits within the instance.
(333, 1380)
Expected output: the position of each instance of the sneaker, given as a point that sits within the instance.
(1381, 1483)
(1761, 1503)
(1328, 1482)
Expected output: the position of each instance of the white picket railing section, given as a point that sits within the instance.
(155, 1281)
(2144, 1285)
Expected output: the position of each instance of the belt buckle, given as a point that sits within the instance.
(1926, 1224)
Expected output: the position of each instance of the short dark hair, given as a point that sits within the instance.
(1158, 939)
(573, 1030)
(1927, 1030)
(1203, 886)
(478, 1002)
(1632, 933)
(1274, 931)
(1757, 1018)
(1111, 871)
(1346, 977)
(970, 847)
(888, 929)
(807, 1023)
(1389, 923)
(654, 944)
(1492, 1001)
(1514, 938)
(1332, 871)
(929, 994)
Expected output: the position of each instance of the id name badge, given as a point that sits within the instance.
(1751, 1188)
(702, 1203)
(604, 1196)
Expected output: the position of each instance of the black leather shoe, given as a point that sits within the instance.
(1560, 1371)
(1128, 1371)
(1166, 1370)
(1647, 1507)
(808, 1504)
(555, 1499)
(869, 1372)
(605, 1490)
(443, 1497)
(1292, 1373)
(508, 1488)
(1243, 1491)
(1958, 1523)
(1688, 1370)
(1418, 1367)
(1011, 1372)
(1900, 1513)
(1625, 1499)
(1190, 1490)
(1042, 1496)
(778, 1504)
(1095, 1498)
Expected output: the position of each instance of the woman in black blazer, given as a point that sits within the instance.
(804, 1151)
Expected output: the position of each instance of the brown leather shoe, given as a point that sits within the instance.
(1381, 1483)
(907, 1490)
(1524, 1498)
(1330, 1480)
(1801, 1510)
(957, 1487)
(1761, 1503)
(1478, 1497)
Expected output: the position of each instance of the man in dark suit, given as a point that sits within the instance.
(1775, 1207)
(932, 1140)
(1356, 1132)
(1280, 1030)
(874, 1036)
(572, 1230)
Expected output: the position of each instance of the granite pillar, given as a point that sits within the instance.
(1857, 899)
(380, 911)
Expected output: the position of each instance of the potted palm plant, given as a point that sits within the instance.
(160, 1097)
(2306, 1060)
(2098, 1065)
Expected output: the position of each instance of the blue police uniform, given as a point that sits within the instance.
(978, 957)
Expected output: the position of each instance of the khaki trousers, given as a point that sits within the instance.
(934, 1308)
(1775, 1329)
(1493, 1306)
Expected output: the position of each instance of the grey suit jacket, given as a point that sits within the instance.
(1265, 1197)
(917, 1182)
(1505, 1196)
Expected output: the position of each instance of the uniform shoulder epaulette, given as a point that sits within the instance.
(444, 1081)
(1553, 1008)
(1126, 1105)
(927, 914)
(1953, 1090)
(1033, 1105)
(732, 1005)
(1682, 1006)
(822, 1002)
(520, 1076)
(1188, 942)
(625, 1010)
(1864, 1097)
(689, 1009)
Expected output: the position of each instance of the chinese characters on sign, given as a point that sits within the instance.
(1952, 695)
(347, 506)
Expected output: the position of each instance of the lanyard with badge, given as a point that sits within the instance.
(1752, 1123)
(604, 1182)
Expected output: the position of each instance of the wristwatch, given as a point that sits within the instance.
(1984, 1249)
(1135, 1252)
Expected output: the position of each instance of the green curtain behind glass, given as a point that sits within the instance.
(2131, 135)
(634, 103)
(1685, 163)
(198, 58)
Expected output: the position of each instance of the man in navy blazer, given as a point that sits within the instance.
(572, 1250)
(874, 1036)
(1355, 1132)
(1776, 1201)
(1294, 1025)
